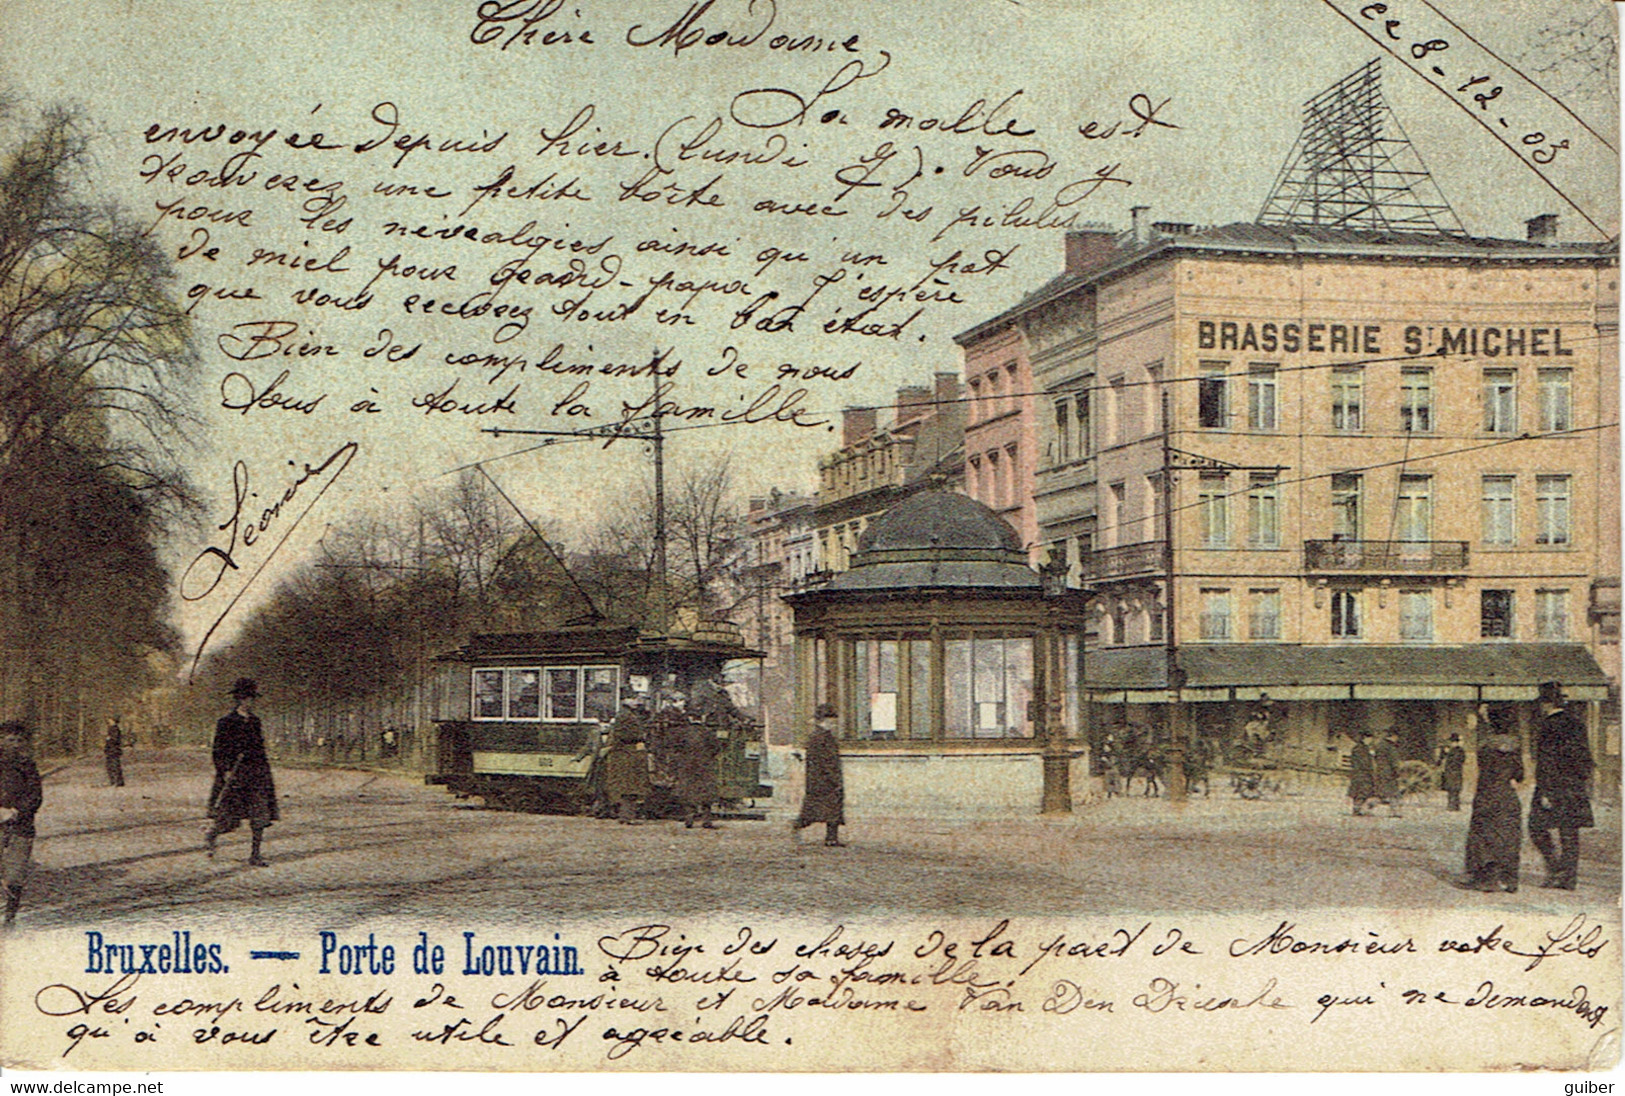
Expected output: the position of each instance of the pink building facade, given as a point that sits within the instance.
(1000, 427)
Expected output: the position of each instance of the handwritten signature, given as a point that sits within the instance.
(243, 530)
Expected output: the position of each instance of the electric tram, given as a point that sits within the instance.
(524, 717)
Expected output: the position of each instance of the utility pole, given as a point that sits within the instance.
(1178, 723)
(658, 438)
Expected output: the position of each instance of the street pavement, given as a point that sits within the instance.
(355, 846)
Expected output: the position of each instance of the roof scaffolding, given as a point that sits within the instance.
(1354, 167)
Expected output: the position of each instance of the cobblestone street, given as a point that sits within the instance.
(357, 845)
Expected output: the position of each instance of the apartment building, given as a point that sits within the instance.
(1340, 478)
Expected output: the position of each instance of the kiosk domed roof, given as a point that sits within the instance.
(936, 540)
(940, 519)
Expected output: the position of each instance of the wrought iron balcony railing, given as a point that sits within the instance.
(1385, 555)
(1123, 561)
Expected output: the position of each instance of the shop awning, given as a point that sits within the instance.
(1216, 672)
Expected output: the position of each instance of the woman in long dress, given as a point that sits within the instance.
(1495, 830)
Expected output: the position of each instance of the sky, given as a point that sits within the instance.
(840, 131)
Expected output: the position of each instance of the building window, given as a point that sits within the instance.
(1416, 400)
(976, 413)
(1012, 461)
(973, 479)
(995, 481)
(1501, 401)
(1264, 619)
(1117, 415)
(1215, 618)
(1213, 509)
(1263, 512)
(1414, 508)
(1119, 619)
(1495, 614)
(1416, 615)
(1155, 622)
(1012, 389)
(1345, 506)
(987, 686)
(1117, 498)
(1063, 431)
(1551, 614)
(1261, 391)
(1556, 399)
(1080, 412)
(1153, 506)
(1213, 396)
(1348, 398)
(995, 403)
(1500, 504)
(1346, 614)
(1551, 510)
(1153, 389)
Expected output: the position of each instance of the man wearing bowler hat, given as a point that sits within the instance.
(243, 788)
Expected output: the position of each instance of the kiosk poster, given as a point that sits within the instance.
(774, 536)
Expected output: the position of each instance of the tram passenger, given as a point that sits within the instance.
(696, 783)
(626, 762)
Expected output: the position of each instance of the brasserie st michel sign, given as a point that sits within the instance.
(1412, 340)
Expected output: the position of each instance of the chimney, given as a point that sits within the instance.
(857, 423)
(913, 402)
(1089, 247)
(1138, 220)
(1173, 228)
(1542, 229)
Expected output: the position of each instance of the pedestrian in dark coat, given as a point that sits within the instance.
(626, 764)
(825, 798)
(1562, 788)
(696, 783)
(1362, 786)
(113, 753)
(20, 798)
(1494, 830)
(243, 788)
(1385, 771)
(1451, 759)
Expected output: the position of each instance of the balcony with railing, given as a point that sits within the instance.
(1417, 556)
(1123, 561)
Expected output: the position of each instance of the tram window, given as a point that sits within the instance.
(524, 694)
(563, 693)
(487, 694)
(599, 699)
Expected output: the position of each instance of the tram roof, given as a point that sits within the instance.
(609, 641)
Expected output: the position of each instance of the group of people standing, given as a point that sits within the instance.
(1561, 804)
(1374, 773)
(627, 781)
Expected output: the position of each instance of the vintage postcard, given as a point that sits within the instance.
(785, 536)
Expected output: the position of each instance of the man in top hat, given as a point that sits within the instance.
(243, 788)
(20, 799)
(825, 798)
(113, 753)
(1562, 788)
(1451, 759)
